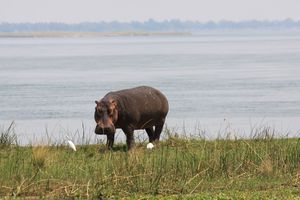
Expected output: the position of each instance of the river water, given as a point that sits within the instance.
(216, 83)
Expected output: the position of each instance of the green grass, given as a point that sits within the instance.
(8, 136)
(177, 168)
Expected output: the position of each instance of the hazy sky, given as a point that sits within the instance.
(73, 11)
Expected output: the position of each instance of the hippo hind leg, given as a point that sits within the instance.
(158, 129)
(150, 133)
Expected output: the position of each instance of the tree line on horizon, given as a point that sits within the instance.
(149, 26)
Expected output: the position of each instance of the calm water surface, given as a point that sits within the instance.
(213, 82)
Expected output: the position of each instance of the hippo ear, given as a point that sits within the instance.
(96, 102)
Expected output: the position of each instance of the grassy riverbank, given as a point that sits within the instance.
(260, 168)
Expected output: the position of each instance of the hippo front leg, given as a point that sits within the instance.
(129, 137)
(110, 141)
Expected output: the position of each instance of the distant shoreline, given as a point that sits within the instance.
(91, 34)
(66, 34)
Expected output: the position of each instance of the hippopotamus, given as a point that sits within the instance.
(131, 109)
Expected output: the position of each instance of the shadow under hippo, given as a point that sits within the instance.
(131, 109)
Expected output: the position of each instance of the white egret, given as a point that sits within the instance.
(71, 144)
(150, 146)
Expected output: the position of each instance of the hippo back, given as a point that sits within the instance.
(141, 106)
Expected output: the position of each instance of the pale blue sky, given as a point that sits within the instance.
(74, 11)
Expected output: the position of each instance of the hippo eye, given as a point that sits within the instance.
(100, 112)
(110, 112)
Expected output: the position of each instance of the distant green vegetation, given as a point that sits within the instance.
(177, 168)
(150, 26)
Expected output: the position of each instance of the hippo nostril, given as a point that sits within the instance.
(104, 129)
(99, 129)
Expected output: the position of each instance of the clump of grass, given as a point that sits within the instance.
(39, 156)
(8, 136)
(266, 166)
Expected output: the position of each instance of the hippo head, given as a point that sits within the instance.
(106, 115)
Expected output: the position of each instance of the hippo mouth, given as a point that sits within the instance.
(104, 131)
